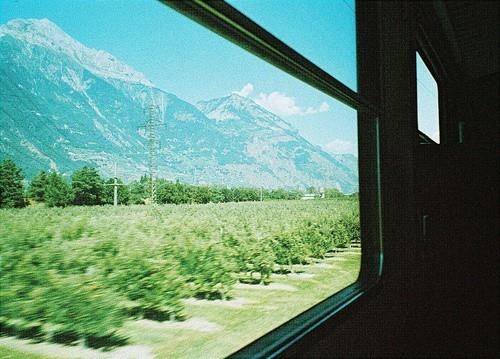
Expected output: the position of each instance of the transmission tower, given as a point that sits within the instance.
(151, 126)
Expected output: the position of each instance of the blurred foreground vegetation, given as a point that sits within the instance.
(77, 274)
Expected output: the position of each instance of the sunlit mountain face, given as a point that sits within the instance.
(65, 106)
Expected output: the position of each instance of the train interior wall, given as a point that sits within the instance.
(438, 297)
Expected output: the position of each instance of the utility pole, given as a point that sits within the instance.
(115, 185)
(115, 193)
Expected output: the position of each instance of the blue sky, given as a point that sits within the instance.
(181, 57)
(427, 101)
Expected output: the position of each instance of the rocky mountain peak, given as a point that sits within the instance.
(46, 34)
(237, 107)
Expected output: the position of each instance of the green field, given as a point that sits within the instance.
(196, 281)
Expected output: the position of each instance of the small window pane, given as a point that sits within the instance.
(427, 101)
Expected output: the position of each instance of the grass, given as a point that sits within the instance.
(8, 353)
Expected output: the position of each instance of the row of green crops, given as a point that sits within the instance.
(78, 273)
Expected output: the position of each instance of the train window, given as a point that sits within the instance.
(184, 197)
(427, 101)
(323, 31)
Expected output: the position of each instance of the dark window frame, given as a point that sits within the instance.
(228, 22)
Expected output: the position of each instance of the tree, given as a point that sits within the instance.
(108, 192)
(202, 194)
(311, 190)
(11, 185)
(333, 193)
(87, 187)
(169, 192)
(138, 191)
(37, 187)
(217, 194)
(58, 192)
(278, 194)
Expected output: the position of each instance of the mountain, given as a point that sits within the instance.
(284, 157)
(348, 160)
(65, 105)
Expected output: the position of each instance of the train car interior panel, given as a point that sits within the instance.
(438, 296)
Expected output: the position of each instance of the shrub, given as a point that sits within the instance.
(289, 248)
(64, 308)
(206, 269)
(21, 328)
(250, 255)
(316, 238)
(78, 304)
(346, 230)
(154, 284)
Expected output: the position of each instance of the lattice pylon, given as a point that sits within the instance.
(153, 144)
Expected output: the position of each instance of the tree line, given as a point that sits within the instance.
(86, 188)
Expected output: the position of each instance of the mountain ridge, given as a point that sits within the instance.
(62, 112)
(43, 32)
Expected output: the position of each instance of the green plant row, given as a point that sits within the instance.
(76, 274)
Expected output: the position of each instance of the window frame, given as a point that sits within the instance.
(234, 26)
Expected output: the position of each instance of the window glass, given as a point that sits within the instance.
(323, 31)
(427, 101)
(166, 193)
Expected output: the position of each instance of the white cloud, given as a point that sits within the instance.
(339, 146)
(245, 91)
(284, 105)
(324, 107)
(278, 103)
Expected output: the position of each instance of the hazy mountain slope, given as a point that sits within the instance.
(275, 145)
(65, 105)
